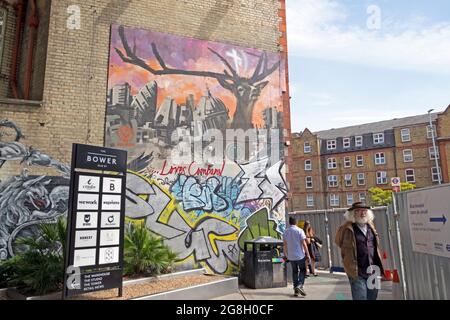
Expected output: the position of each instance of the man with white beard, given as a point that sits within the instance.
(359, 243)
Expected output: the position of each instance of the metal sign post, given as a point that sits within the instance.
(95, 222)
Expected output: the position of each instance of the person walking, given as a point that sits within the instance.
(314, 244)
(296, 251)
(359, 243)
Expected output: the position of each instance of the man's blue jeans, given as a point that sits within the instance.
(360, 291)
(298, 272)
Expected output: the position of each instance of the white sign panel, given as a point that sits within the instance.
(109, 237)
(109, 255)
(85, 239)
(111, 202)
(112, 185)
(110, 220)
(84, 257)
(87, 201)
(89, 184)
(395, 182)
(428, 211)
(86, 220)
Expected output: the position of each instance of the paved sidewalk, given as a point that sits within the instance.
(326, 286)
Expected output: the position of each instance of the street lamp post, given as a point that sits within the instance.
(434, 147)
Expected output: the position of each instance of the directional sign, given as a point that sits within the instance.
(427, 215)
(96, 218)
(395, 181)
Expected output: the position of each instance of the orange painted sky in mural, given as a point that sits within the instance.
(179, 87)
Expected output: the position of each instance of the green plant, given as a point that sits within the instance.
(40, 268)
(145, 253)
(381, 197)
(7, 271)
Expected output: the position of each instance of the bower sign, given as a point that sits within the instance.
(95, 220)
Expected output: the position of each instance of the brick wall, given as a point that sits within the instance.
(75, 83)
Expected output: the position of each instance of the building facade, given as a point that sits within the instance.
(335, 168)
(142, 76)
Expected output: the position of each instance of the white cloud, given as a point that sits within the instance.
(320, 29)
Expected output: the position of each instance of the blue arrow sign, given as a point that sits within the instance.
(443, 219)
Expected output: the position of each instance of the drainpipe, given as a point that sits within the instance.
(19, 8)
(33, 24)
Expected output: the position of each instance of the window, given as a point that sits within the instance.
(308, 165)
(332, 181)
(348, 180)
(334, 200)
(409, 174)
(434, 174)
(379, 158)
(309, 200)
(378, 138)
(358, 141)
(362, 196)
(361, 179)
(381, 177)
(349, 199)
(432, 154)
(407, 155)
(309, 182)
(331, 144)
(347, 162)
(306, 147)
(406, 136)
(332, 164)
(429, 131)
(359, 161)
(346, 143)
(3, 15)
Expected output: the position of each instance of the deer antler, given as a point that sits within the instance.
(131, 57)
(259, 74)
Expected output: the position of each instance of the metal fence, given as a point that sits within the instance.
(326, 223)
(426, 276)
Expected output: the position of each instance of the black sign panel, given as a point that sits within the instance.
(96, 218)
(100, 158)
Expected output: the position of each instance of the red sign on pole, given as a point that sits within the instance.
(395, 184)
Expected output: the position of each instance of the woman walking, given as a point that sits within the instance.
(314, 244)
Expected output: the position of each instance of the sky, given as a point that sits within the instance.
(353, 62)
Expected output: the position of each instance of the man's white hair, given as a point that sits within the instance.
(349, 215)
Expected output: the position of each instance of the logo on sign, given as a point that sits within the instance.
(439, 246)
(85, 239)
(86, 220)
(109, 255)
(110, 219)
(112, 185)
(84, 257)
(88, 184)
(100, 159)
(109, 237)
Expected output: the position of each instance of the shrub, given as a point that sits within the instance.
(145, 253)
(40, 268)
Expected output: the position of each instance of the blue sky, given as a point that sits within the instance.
(347, 67)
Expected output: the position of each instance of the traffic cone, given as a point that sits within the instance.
(397, 293)
(387, 272)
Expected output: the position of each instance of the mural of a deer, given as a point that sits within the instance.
(245, 89)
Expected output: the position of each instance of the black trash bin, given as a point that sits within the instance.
(264, 266)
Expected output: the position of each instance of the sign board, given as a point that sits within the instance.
(96, 217)
(428, 213)
(395, 184)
